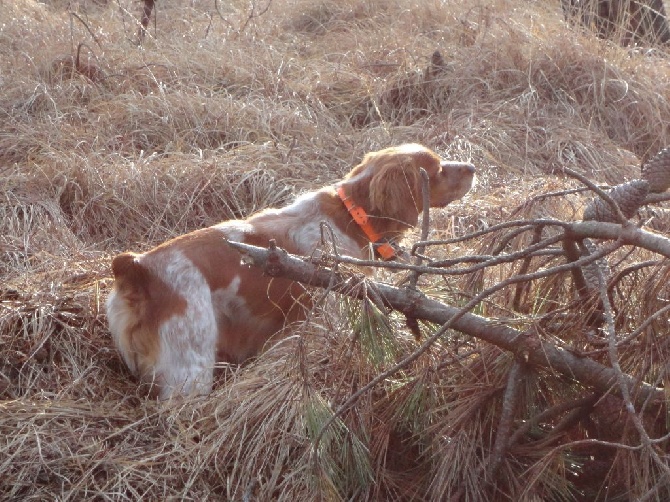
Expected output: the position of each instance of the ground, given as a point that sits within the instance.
(111, 143)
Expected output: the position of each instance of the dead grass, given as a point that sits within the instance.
(217, 116)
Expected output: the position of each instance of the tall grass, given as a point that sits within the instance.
(218, 114)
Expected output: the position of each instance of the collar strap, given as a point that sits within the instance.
(380, 245)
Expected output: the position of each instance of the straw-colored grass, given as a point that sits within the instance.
(107, 145)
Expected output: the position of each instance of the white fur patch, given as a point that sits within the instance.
(237, 322)
(119, 318)
(187, 341)
(411, 148)
(300, 222)
(234, 230)
(228, 304)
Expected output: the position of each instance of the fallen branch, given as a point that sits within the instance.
(277, 263)
(629, 234)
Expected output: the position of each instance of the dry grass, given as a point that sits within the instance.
(218, 115)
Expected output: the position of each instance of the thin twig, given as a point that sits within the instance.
(637, 332)
(621, 382)
(218, 11)
(505, 240)
(605, 250)
(509, 406)
(525, 265)
(494, 228)
(549, 413)
(558, 193)
(629, 270)
(438, 270)
(253, 14)
(88, 28)
(549, 251)
(425, 226)
(610, 444)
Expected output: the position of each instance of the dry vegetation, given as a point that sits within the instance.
(106, 145)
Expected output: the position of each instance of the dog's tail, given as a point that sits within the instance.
(127, 270)
(131, 279)
(128, 314)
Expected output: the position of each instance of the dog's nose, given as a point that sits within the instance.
(469, 168)
(463, 167)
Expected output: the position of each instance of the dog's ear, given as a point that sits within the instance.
(395, 188)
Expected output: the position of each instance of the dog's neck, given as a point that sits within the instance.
(336, 211)
(380, 245)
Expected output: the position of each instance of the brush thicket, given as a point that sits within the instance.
(106, 145)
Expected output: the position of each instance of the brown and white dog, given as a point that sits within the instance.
(177, 309)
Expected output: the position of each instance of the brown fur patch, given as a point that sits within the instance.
(150, 302)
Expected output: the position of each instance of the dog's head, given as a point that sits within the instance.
(388, 183)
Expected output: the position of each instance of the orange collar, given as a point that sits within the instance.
(380, 245)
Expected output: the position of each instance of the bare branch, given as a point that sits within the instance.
(621, 377)
(581, 404)
(655, 198)
(498, 260)
(88, 28)
(277, 262)
(509, 406)
(573, 254)
(629, 233)
(526, 224)
(521, 288)
(425, 223)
